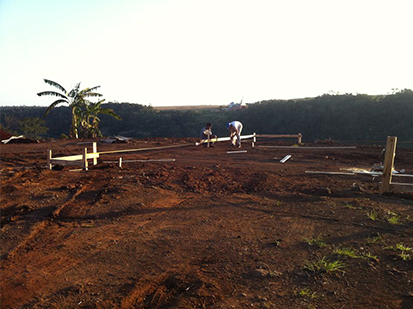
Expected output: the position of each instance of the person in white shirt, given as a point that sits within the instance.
(235, 128)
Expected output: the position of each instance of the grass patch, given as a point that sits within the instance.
(308, 294)
(323, 265)
(393, 218)
(350, 252)
(370, 256)
(315, 242)
(372, 215)
(405, 256)
(376, 239)
(350, 206)
(404, 251)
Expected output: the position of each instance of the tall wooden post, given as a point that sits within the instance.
(209, 138)
(49, 159)
(254, 139)
(95, 150)
(299, 138)
(84, 159)
(388, 164)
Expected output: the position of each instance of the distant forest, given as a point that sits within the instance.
(345, 117)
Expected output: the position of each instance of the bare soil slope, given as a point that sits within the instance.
(210, 230)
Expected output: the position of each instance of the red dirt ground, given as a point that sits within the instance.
(210, 230)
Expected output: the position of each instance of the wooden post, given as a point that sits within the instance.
(120, 162)
(299, 138)
(254, 139)
(209, 138)
(84, 159)
(49, 159)
(95, 150)
(388, 164)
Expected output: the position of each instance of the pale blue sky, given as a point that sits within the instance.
(193, 52)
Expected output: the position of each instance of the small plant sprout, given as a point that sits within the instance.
(403, 248)
(370, 256)
(308, 294)
(376, 239)
(350, 206)
(316, 242)
(323, 265)
(405, 251)
(393, 218)
(350, 252)
(372, 214)
(405, 256)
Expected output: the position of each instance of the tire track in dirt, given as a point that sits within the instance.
(40, 226)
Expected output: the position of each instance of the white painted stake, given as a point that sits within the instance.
(49, 159)
(120, 162)
(95, 150)
(84, 159)
(285, 158)
(239, 151)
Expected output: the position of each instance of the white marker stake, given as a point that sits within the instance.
(285, 158)
(240, 151)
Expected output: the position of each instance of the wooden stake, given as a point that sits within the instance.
(95, 150)
(254, 140)
(49, 159)
(299, 138)
(120, 162)
(84, 159)
(388, 164)
(209, 139)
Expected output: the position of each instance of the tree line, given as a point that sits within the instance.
(338, 117)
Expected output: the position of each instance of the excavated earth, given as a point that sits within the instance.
(209, 230)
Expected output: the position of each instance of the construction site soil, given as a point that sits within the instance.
(210, 229)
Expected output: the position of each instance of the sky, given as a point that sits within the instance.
(204, 52)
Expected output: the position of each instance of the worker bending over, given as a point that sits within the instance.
(235, 128)
(206, 133)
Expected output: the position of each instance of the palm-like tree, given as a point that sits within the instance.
(89, 120)
(75, 99)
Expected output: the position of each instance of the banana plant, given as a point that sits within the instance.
(89, 120)
(75, 99)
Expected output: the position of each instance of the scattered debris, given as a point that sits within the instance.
(116, 139)
(19, 139)
(283, 160)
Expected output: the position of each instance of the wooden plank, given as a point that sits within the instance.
(388, 164)
(283, 160)
(279, 135)
(70, 158)
(401, 187)
(329, 173)
(238, 151)
(145, 149)
(222, 139)
(78, 157)
(143, 160)
(300, 147)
